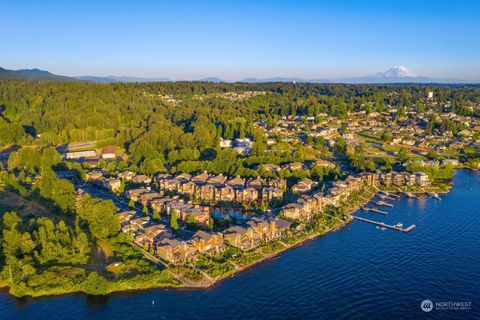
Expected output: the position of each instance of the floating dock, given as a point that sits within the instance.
(391, 195)
(374, 210)
(411, 195)
(434, 195)
(384, 197)
(383, 203)
(382, 224)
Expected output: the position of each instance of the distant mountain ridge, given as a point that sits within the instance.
(397, 74)
(32, 74)
(110, 79)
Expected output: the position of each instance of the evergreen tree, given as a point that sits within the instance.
(174, 220)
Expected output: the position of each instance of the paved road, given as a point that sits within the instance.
(76, 145)
(95, 192)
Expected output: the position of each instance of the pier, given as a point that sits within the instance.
(383, 203)
(388, 226)
(374, 210)
(391, 195)
(411, 195)
(384, 197)
(434, 195)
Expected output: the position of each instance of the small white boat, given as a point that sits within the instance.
(399, 225)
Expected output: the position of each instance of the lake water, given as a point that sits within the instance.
(359, 272)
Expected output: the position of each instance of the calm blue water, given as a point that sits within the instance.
(360, 272)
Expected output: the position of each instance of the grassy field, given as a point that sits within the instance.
(11, 202)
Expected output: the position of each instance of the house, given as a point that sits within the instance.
(236, 182)
(205, 192)
(161, 178)
(226, 143)
(201, 214)
(93, 176)
(146, 198)
(304, 186)
(386, 179)
(246, 194)
(135, 225)
(141, 179)
(200, 178)
(256, 183)
(272, 194)
(283, 226)
(174, 251)
(409, 178)
(183, 177)
(422, 179)
(297, 211)
(108, 153)
(398, 179)
(330, 200)
(187, 188)
(151, 234)
(208, 243)
(224, 193)
(294, 166)
(281, 184)
(268, 227)
(242, 237)
(127, 175)
(125, 216)
(370, 178)
(244, 142)
(113, 185)
(217, 180)
(159, 204)
(269, 167)
(134, 194)
(172, 185)
(323, 164)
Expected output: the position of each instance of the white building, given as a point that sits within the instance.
(225, 143)
(80, 154)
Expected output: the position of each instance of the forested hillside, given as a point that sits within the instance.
(167, 123)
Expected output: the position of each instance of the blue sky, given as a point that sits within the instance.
(238, 39)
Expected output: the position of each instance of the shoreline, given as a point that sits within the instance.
(206, 283)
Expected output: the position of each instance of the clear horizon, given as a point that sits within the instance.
(191, 40)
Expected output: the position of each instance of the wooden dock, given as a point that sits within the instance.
(392, 195)
(411, 195)
(374, 210)
(383, 203)
(388, 226)
(384, 197)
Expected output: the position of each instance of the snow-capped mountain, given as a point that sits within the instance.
(397, 72)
